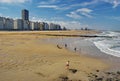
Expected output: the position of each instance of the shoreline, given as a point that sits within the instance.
(87, 48)
(31, 58)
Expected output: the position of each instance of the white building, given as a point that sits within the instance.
(46, 26)
(41, 25)
(30, 25)
(9, 24)
(18, 24)
(58, 27)
(26, 25)
(51, 26)
(2, 19)
(36, 26)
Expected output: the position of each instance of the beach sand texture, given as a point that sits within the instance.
(25, 57)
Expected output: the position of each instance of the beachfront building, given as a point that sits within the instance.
(34, 25)
(46, 26)
(26, 25)
(57, 27)
(2, 23)
(8, 24)
(53, 26)
(18, 24)
(30, 25)
(41, 25)
(25, 15)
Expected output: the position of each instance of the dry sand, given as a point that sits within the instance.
(25, 57)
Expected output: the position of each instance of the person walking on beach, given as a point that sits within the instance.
(65, 45)
(75, 49)
(67, 65)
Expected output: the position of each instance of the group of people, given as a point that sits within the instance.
(68, 62)
(75, 49)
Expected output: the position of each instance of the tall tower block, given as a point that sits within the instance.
(25, 14)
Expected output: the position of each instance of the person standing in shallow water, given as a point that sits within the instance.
(75, 49)
(65, 45)
(67, 65)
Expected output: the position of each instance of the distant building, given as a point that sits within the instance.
(26, 25)
(18, 24)
(53, 26)
(30, 25)
(25, 14)
(34, 25)
(2, 23)
(57, 27)
(41, 25)
(46, 26)
(9, 24)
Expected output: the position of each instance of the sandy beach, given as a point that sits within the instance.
(24, 56)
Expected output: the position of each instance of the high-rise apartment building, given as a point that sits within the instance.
(9, 24)
(18, 24)
(2, 23)
(25, 14)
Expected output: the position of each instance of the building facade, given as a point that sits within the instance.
(18, 24)
(9, 24)
(46, 26)
(25, 24)
(2, 23)
(25, 14)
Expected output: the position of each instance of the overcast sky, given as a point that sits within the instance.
(75, 14)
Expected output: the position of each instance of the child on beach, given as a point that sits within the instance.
(67, 65)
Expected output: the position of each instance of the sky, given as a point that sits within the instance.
(73, 14)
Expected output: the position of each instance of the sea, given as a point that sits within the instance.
(108, 42)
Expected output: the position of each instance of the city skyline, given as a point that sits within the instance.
(24, 23)
(74, 14)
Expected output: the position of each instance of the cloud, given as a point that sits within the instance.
(38, 19)
(56, 7)
(14, 1)
(89, 3)
(48, 6)
(85, 12)
(49, 2)
(73, 15)
(79, 13)
(69, 24)
(115, 3)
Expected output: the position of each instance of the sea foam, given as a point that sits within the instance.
(108, 45)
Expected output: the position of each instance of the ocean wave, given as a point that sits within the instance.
(106, 49)
(108, 45)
